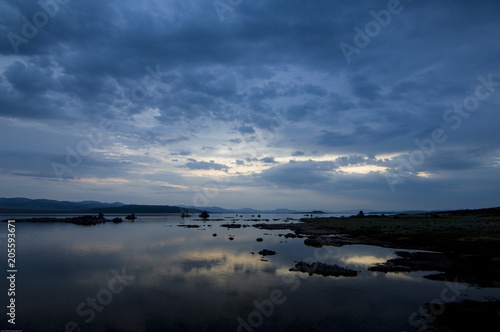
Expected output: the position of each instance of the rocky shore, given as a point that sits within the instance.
(460, 246)
(463, 244)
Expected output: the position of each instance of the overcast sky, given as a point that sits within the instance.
(267, 104)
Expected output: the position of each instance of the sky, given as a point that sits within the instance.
(333, 105)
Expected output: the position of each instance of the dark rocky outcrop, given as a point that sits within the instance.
(231, 225)
(267, 252)
(324, 269)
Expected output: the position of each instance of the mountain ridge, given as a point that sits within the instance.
(27, 205)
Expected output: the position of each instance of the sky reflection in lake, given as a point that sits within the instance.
(187, 279)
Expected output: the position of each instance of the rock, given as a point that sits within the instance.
(267, 252)
(214, 234)
(231, 238)
(293, 236)
(259, 239)
(204, 215)
(324, 269)
(117, 220)
(231, 225)
(131, 217)
(360, 214)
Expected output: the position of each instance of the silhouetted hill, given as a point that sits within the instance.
(133, 208)
(26, 205)
(217, 209)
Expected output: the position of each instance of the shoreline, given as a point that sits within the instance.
(460, 245)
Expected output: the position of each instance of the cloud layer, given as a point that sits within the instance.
(311, 105)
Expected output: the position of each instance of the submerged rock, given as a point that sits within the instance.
(267, 252)
(324, 269)
(204, 215)
(131, 217)
(231, 225)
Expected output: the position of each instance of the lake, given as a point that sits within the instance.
(152, 275)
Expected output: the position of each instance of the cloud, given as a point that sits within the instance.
(245, 129)
(300, 174)
(268, 160)
(203, 165)
(181, 153)
(268, 84)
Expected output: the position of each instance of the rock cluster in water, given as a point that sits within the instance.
(267, 252)
(324, 269)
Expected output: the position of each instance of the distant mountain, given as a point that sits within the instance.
(133, 208)
(25, 205)
(217, 209)
(399, 212)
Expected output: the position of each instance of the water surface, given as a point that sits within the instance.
(187, 279)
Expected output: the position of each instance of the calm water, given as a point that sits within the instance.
(151, 275)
